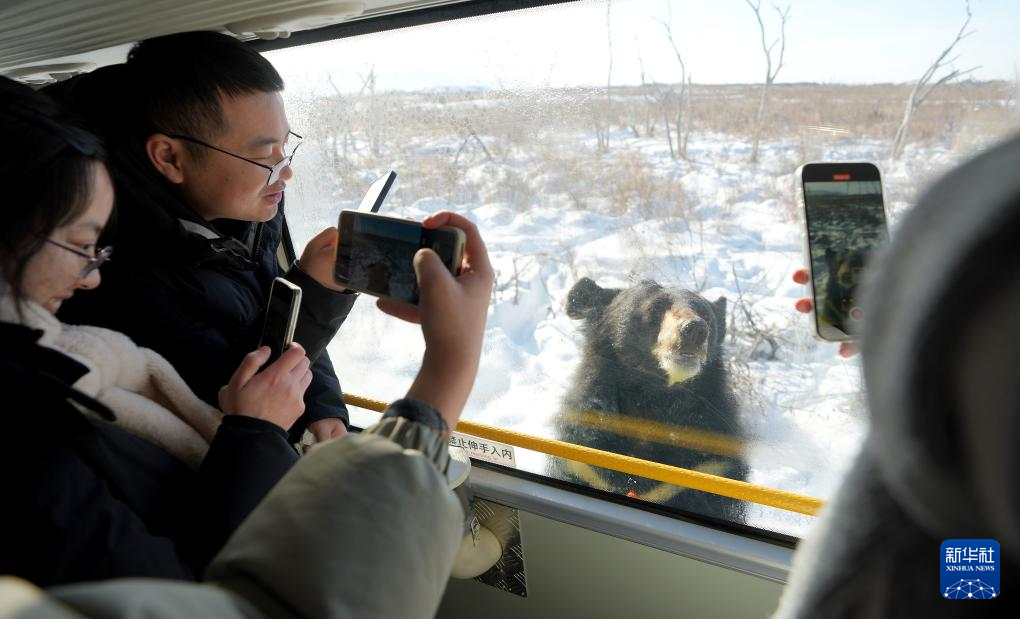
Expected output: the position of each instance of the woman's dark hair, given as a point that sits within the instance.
(47, 174)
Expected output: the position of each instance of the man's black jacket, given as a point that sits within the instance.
(193, 291)
(200, 303)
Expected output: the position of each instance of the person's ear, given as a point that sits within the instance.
(166, 155)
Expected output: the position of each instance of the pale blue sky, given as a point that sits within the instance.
(851, 41)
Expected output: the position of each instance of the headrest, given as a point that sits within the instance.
(937, 339)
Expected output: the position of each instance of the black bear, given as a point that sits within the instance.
(839, 306)
(652, 384)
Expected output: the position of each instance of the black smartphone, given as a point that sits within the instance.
(377, 193)
(375, 252)
(281, 317)
(846, 221)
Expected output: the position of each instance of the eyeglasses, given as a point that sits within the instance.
(274, 170)
(94, 262)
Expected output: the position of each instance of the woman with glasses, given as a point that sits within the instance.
(93, 488)
(201, 153)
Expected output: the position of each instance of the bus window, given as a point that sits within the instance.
(603, 146)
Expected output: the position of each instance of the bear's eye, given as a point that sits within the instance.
(702, 309)
(653, 311)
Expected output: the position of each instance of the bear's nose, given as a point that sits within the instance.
(693, 333)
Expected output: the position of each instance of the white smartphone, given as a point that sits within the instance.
(375, 252)
(280, 317)
(844, 213)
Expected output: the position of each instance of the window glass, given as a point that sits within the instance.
(620, 142)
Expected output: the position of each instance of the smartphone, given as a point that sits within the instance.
(281, 317)
(377, 193)
(375, 252)
(846, 221)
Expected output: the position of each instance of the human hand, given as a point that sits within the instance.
(326, 429)
(806, 305)
(276, 393)
(451, 311)
(318, 257)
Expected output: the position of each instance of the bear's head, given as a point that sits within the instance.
(651, 329)
(845, 268)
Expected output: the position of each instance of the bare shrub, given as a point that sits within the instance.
(630, 182)
(513, 188)
(863, 111)
(679, 246)
(453, 144)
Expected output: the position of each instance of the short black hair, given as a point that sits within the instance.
(183, 76)
(47, 174)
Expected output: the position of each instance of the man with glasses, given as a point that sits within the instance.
(201, 152)
(274, 170)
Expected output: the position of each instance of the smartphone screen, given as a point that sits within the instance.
(375, 253)
(281, 317)
(846, 221)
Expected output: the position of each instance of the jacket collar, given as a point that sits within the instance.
(52, 370)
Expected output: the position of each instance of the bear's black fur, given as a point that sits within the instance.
(845, 268)
(655, 354)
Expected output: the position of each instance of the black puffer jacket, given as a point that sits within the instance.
(84, 500)
(193, 291)
(200, 303)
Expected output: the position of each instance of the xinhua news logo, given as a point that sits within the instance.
(970, 569)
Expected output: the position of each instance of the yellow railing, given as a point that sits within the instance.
(732, 488)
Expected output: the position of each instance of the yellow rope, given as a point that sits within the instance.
(732, 488)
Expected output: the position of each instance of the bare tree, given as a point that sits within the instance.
(770, 72)
(656, 94)
(1014, 91)
(342, 115)
(682, 119)
(684, 137)
(371, 111)
(924, 86)
(603, 119)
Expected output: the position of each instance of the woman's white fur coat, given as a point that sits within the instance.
(145, 392)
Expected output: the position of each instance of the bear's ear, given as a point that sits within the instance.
(720, 311)
(587, 299)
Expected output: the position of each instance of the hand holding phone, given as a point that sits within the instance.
(280, 318)
(319, 255)
(375, 253)
(805, 305)
(272, 392)
(452, 312)
(844, 214)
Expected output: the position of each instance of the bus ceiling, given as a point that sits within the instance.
(43, 42)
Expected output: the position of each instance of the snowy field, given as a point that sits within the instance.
(803, 407)
(509, 126)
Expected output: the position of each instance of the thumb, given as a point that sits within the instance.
(323, 239)
(429, 268)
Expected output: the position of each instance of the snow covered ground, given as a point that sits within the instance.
(738, 238)
(501, 118)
